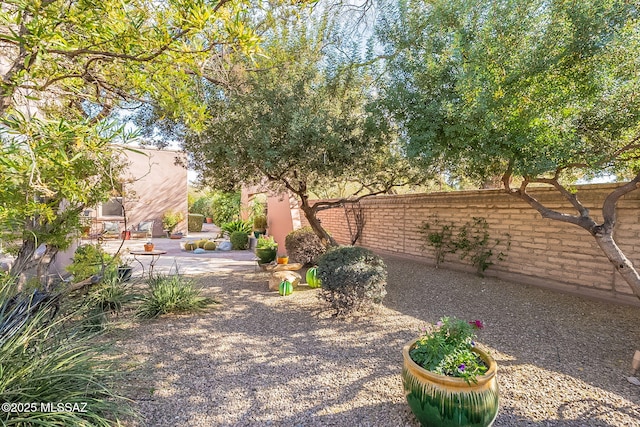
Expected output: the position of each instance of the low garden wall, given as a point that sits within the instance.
(542, 252)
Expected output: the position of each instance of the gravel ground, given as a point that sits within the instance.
(258, 359)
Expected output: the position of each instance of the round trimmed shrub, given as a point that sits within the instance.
(239, 240)
(210, 246)
(190, 246)
(352, 279)
(304, 246)
(200, 243)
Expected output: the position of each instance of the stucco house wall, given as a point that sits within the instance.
(157, 182)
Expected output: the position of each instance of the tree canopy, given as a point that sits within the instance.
(541, 92)
(530, 87)
(301, 120)
(67, 68)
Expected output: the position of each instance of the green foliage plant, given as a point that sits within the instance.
(237, 225)
(48, 358)
(260, 222)
(266, 242)
(239, 240)
(111, 294)
(170, 219)
(447, 349)
(532, 93)
(225, 207)
(439, 236)
(54, 170)
(352, 279)
(171, 294)
(473, 242)
(89, 260)
(202, 206)
(304, 246)
(194, 222)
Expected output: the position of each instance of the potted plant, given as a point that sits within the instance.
(283, 259)
(266, 249)
(148, 247)
(124, 269)
(448, 380)
(170, 220)
(259, 225)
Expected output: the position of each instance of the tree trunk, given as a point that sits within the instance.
(622, 264)
(27, 266)
(317, 228)
(603, 233)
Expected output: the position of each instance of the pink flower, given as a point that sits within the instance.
(477, 324)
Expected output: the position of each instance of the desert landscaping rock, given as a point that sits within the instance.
(279, 276)
(257, 359)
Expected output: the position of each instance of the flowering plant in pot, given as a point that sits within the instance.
(448, 379)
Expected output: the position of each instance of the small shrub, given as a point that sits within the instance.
(111, 294)
(304, 246)
(438, 235)
(209, 246)
(190, 246)
(200, 243)
(239, 240)
(260, 223)
(87, 261)
(352, 279)
(171, 294)
(474, 243)
(194, 222)
(171, 219)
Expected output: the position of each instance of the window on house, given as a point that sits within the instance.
(112, 208)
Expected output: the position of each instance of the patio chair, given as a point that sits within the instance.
(110, 230)
(144, 230)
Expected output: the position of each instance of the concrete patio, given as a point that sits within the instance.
(184, 262)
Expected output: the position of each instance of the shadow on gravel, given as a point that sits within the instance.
(258, 359)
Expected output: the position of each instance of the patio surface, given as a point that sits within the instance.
(258, 359)
(186, 262)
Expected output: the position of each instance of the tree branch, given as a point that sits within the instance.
(609, 205)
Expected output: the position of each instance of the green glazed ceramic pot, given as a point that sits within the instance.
(442, 401)
(266, 255)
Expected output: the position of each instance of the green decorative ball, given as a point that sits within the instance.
(285, 288)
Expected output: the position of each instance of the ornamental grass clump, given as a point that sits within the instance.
(52, 372)
(447, 349)
(171, 294)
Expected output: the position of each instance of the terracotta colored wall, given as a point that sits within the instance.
(543, 252)
(282, 213)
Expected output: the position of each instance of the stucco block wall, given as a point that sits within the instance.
(543, 252)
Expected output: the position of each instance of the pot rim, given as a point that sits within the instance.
(483, 381)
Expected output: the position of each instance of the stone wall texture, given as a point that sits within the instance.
(542, 252)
